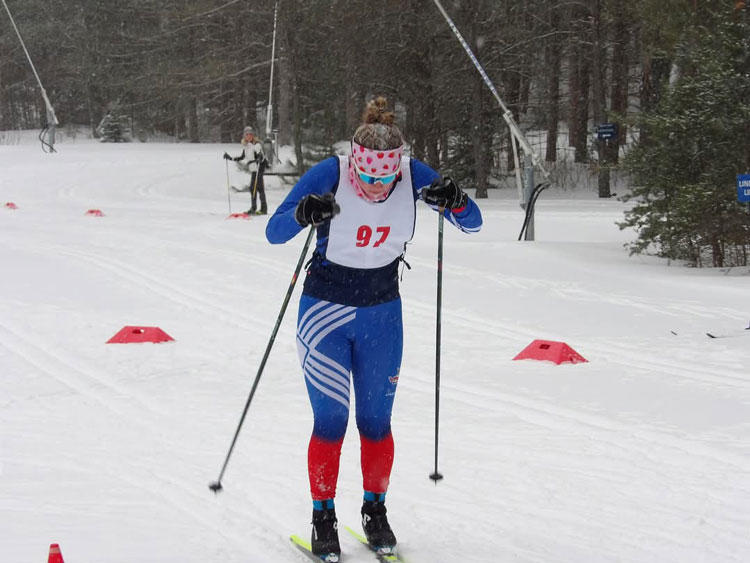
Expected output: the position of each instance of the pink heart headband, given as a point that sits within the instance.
(377, 163)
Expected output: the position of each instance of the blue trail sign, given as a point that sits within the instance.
(743, 187)
(606, 131)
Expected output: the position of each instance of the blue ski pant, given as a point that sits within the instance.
(335, 341)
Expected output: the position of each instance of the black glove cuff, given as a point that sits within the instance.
(299, 216)
(462, 201)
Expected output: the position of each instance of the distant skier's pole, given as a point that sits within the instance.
(436, 475)
(216, 486)
(255, 183)
(229, 197)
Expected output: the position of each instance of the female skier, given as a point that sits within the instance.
(252, 160)
(349, 321)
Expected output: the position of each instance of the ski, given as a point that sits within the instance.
(728, 335)
(392, 557)
(306, 549)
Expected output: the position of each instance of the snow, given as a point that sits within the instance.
(641, 455)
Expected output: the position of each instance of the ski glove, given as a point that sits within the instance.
(444, 192)
(227, 157)
(314, 209)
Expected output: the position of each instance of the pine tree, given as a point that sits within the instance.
(115, 127)
(699, 139)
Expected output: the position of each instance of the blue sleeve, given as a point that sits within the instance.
(468, 219)
(320, 179)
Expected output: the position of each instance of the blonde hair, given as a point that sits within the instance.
(378, 129)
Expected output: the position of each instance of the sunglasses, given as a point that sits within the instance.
(367, 179)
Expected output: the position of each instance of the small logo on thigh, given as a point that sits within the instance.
(393, 379)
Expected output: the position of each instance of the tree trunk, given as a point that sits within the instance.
(552, 60)
(285, 97)
(480, 146)
(297, 112)
(619, 90)
(654, 75)
(191, 119)
(581, 117)
(600, 102)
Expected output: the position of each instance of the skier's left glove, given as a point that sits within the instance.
(227, 156)
(444, 192)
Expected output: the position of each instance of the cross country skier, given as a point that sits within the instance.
(253, 160)
(349, 322)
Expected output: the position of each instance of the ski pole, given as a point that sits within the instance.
(229, 198)
(216, 486)
(436, 475)
(255, 186)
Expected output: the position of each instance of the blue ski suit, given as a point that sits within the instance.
(349, 321)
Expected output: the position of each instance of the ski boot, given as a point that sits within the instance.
(377, 530)
(325, 535)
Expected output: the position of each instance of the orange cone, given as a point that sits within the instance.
(54, 554)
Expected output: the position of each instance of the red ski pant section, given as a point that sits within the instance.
(377, 461)
(323, 457)
(323, 467)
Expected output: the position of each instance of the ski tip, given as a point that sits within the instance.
(385, 555)
(298, 541)
(710, 335)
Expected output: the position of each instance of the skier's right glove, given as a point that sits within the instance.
(227, 157)
(314, 209)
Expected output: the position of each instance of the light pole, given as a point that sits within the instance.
(269, 109)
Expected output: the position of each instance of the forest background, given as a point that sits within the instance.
(673, 76)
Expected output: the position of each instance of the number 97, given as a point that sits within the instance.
(364, 235)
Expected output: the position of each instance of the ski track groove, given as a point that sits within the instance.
(574, 292)
(161, 288)
(551, 416)
(57, 363)
(619, 437)
(614, 352)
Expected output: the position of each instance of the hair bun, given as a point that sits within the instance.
(377, 112)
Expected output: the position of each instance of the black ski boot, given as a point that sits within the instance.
(325, 535)
(377, 530)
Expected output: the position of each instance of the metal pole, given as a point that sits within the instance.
(229, 197)
(269, 110)
(507, 115)
(51, 117)
(528, 191)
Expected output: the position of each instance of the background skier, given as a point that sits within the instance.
(349, 321)
(253, 160)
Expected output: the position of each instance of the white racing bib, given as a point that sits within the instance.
(367, 234)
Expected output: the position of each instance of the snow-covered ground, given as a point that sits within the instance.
(641, 455)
